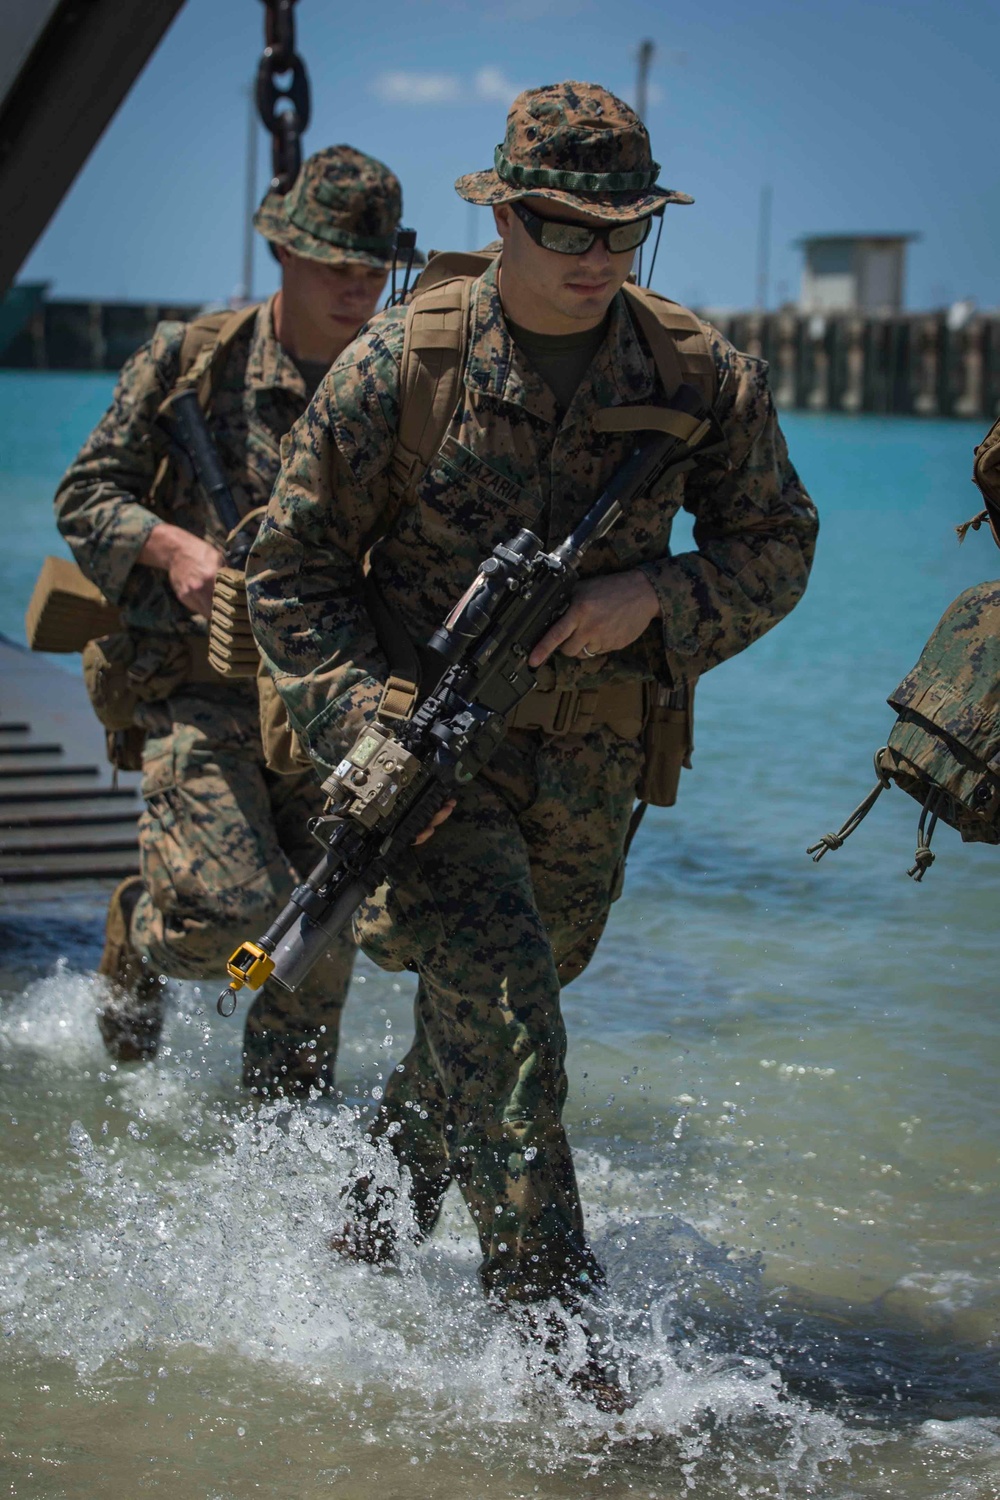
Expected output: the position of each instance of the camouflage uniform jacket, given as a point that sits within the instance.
(102, 504)
(511, 459)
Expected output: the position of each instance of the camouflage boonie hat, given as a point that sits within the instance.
(343, 207)
(576, 144)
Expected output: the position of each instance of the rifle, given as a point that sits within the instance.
(181, 413)
(394, 779)
(231, 648)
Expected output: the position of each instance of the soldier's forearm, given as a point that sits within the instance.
(716, 602)
(100, 504)
(106, 531)
(189, 561)
(163, 545)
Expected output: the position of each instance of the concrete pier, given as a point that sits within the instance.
(914, 364)
(60, 335)
(910, 364)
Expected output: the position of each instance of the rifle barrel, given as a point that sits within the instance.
(196, 440)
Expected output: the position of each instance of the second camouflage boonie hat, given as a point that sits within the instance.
(577, 144)
(343, 206)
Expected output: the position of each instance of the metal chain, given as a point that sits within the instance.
(284, 106)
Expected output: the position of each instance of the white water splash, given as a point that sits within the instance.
(226, 1250)
(55, 1017)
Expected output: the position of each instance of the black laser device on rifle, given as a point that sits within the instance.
(395, 778)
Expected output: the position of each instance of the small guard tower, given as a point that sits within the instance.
(854, 273)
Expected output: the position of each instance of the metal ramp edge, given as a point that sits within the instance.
(63, 821)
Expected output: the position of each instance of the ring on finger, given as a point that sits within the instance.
(586, 651)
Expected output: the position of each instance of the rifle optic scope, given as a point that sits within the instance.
(474, 612)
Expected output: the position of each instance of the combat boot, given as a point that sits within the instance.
(595, 1381)
(130, 1016)
(368, 1234)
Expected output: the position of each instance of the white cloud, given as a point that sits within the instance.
(417, 88)
(492, 85)
(488, 85)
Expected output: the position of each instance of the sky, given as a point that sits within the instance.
(858, 115)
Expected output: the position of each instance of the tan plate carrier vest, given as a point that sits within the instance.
(67, 612)
(435, 345)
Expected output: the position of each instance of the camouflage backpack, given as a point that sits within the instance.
(944, 749)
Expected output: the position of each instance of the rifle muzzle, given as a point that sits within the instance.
(250, 965)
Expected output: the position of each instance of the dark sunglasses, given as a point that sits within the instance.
(576, 239)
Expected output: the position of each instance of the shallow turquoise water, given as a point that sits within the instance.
(783, 1107)
(43, 420)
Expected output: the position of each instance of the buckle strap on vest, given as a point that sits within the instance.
(430, 380)
(620, 706)
(399, 699)
(217, 350)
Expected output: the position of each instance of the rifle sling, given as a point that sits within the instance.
(678, 424)
(402, 689)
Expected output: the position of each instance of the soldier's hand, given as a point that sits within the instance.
(607, 614)
(189, 561)
(438, 818)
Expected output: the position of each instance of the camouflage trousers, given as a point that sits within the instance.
(500, 908)
(221, 842)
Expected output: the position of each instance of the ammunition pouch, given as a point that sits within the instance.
(576, 710)
(125, 748)
(131, 667)
(232, 650)
(668, 741)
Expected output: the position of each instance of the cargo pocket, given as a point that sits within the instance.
(208, 836)
(158, 769)
(401, 922)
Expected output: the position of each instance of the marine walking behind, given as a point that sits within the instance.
(222, 834)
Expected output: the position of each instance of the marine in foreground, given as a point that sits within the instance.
(504, 896)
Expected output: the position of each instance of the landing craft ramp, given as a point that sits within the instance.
(65, 67)
(62, 820)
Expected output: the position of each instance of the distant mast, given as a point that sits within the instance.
(645, 57)
(245, 291)
(764, 248)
